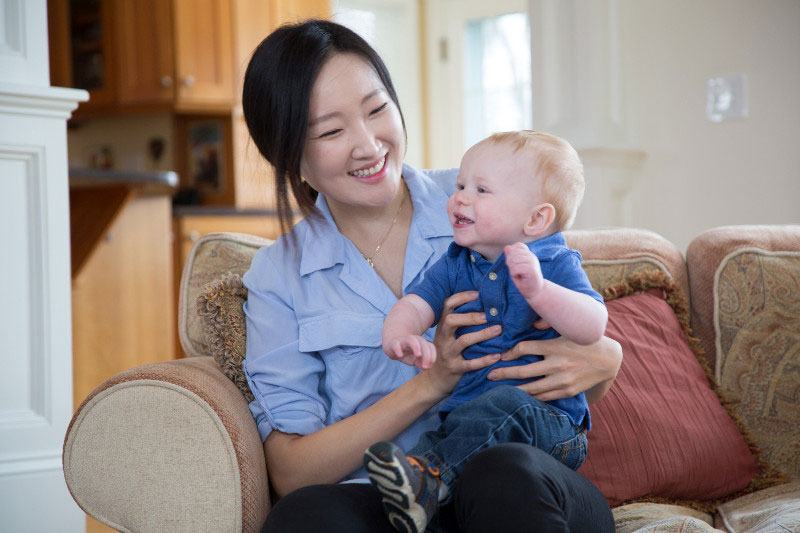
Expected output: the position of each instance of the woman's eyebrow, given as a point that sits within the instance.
(373, 94)
(323, 118)
(328, 116)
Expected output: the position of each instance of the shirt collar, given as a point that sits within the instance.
(322, 245)
(428, 198)
(326, 247)
(545, 248)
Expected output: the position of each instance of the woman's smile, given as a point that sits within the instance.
(372, 173)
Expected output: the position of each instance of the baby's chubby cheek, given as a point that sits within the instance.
(450, 207)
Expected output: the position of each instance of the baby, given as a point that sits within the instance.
(515, 193)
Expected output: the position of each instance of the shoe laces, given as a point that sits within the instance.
(432, 470)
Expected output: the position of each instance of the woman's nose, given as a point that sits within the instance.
(365, 143)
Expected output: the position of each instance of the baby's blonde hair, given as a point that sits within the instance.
(558, 166)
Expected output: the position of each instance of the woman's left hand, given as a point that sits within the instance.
(566, 368)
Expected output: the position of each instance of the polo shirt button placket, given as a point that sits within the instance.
(492, 276)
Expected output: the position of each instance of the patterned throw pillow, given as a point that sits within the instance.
(220, 307)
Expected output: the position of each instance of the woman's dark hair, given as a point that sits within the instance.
(276, 93)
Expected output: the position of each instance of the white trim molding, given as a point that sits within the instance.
(24, 57)
(55, 102)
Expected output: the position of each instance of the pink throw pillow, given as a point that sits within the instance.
(661, 432)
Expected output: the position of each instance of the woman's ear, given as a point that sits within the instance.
(541, 220)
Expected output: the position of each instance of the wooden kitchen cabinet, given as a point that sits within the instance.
(81, 48)
(144, 55)
(178, 53)
(122, 294)
(156, 54)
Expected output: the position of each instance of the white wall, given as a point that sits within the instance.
(127, 136)
(698, 174)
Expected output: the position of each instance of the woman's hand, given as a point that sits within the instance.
(450, 364)
(566, 369)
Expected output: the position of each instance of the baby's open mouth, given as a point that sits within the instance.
(377, 167)
(463, 220)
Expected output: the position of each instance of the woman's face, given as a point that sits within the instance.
(355, 144)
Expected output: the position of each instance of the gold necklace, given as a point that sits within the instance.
(399, 210)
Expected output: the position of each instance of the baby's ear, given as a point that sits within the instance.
(541, 219)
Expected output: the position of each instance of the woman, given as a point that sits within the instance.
(319, 103)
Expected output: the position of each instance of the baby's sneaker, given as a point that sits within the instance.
(409, 485)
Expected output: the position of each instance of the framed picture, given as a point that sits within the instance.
(204, 146)
(205, 150)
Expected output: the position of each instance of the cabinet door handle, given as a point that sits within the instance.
(166, 81)
(189, 80)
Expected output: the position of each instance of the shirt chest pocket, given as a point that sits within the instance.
(357, 372)
(340, 334)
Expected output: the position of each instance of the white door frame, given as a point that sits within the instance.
(444, 23)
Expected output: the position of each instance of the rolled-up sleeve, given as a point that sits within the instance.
(285, 381)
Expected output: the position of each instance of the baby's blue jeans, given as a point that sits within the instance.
(500, 415)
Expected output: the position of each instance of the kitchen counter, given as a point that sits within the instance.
(165, 182)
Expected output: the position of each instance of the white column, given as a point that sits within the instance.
(35, 325)
(579, 94)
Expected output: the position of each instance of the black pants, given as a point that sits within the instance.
(506, 488)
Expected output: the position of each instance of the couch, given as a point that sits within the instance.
(173, 447)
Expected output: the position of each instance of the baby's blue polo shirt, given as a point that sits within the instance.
(315, 314)
(461, 269)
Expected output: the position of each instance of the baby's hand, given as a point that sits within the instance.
(412, 350)
(524, 268)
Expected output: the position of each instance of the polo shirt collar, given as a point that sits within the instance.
(549, 247)
(546, 249)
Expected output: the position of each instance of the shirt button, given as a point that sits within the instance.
(472, 258)
(493, 311)
(492, 276)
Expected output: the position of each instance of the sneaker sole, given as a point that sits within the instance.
(389, 477)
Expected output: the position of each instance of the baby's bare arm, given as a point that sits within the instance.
(407, 320)
(574, 315)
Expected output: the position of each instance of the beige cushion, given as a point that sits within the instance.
(746, 305)
(776, 509)
(213, 257)
(611, 256)
(660, 518)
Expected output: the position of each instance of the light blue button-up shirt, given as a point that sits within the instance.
(315, 315)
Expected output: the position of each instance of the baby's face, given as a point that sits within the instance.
(495, 197)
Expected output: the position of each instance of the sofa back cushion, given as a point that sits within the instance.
(611, 256)
(745, 283)
(213, 257)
